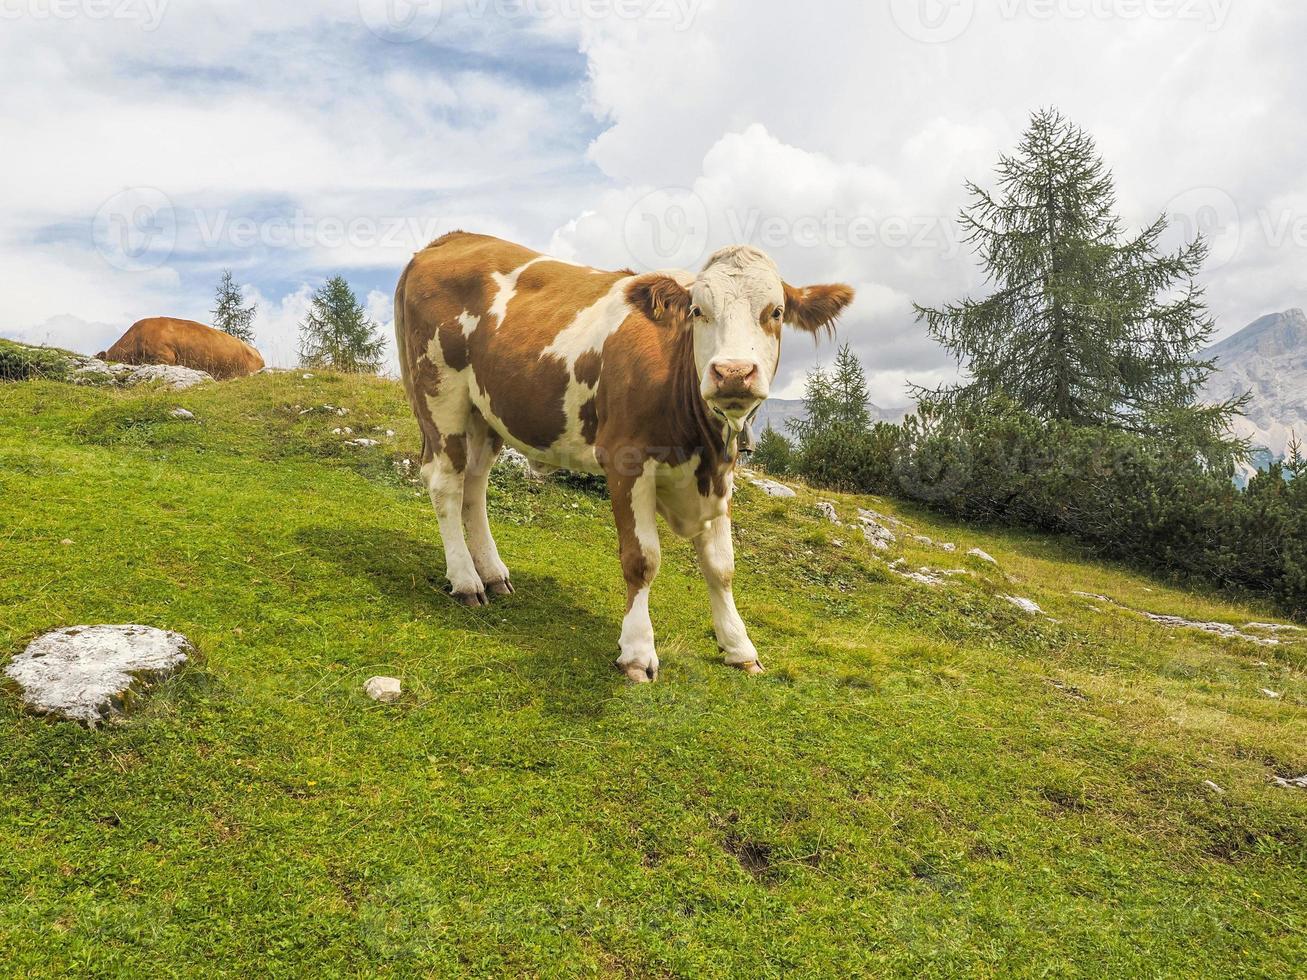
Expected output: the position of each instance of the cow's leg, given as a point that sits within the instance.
(717, 562)
(443, 473)
(483, 447)
(635, 509)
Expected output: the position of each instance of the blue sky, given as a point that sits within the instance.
(293, 142)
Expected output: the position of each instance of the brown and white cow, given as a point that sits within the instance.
(169, 340)
(647, 379)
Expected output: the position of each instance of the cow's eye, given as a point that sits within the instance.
(696, 312)
(777, 313)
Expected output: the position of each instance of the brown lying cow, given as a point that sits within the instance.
(166, 340)
(648, 379)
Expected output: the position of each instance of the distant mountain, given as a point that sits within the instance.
(1269, 358)
(778, 411)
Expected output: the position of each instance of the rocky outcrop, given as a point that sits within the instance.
(92, 674)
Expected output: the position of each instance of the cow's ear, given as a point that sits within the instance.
(660, 297)
(816, 308)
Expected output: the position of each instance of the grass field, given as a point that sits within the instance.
(926, 782)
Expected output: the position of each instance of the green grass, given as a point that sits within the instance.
(926, 782)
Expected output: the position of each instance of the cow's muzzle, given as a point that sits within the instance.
(734, 388)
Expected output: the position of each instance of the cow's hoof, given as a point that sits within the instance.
(500, 588)
(749, 667)
(638, 674)
(471, 598)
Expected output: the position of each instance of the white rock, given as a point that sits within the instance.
(878, 536)
(1296, 782)
(922, 539)
(949, 546)
(1220, 629)
(390, 433)
(1025, 605)
(182, 413)
(1269, 693)
(1274, 627)
(90, 673)
(171, 376)
(773, 489)
(827, 510)
(362, 443)
(306, 376)
(923, 577)
(871, 515)
(983, 556)
(66, 542)
(1213, 787)
(383, 689)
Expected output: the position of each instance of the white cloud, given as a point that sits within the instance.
(757, 120)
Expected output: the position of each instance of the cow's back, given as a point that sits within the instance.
(495, 314)
(169, 340)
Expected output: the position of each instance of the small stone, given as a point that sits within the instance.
(827, 510)
(922, 539)
(1267, 692)
(182, 413)
(1213, 787)
(983, 556)
(342, 411)
(306, 376)
(949, 546)
(362, 443)
(1296, 782)
(836, 543)
(383, 689)
(390, 433)
(66, 542)
(92, 673)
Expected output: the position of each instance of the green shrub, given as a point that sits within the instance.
(18, 362)
(774, 454)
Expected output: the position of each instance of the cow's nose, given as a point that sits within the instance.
(730, 376)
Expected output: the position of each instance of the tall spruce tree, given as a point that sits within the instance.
(834, 400)
(230, 315)
(336, 332)
(1085, 324)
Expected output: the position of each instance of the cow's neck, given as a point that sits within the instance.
(698, 429)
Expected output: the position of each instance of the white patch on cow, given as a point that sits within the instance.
(468, 322)
(686, 511)
(591, 326)
(508, 288)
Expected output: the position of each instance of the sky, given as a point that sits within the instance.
(148, 145)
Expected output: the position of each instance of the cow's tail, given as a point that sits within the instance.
(401, 350)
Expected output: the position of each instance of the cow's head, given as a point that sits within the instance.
(735, 308)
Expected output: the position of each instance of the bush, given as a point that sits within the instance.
(845, 457)
(1143, 498)
(773, 454)
(18, 362)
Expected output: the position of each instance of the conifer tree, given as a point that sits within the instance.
(1085, 324)
(231, 315)
(337, 333)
